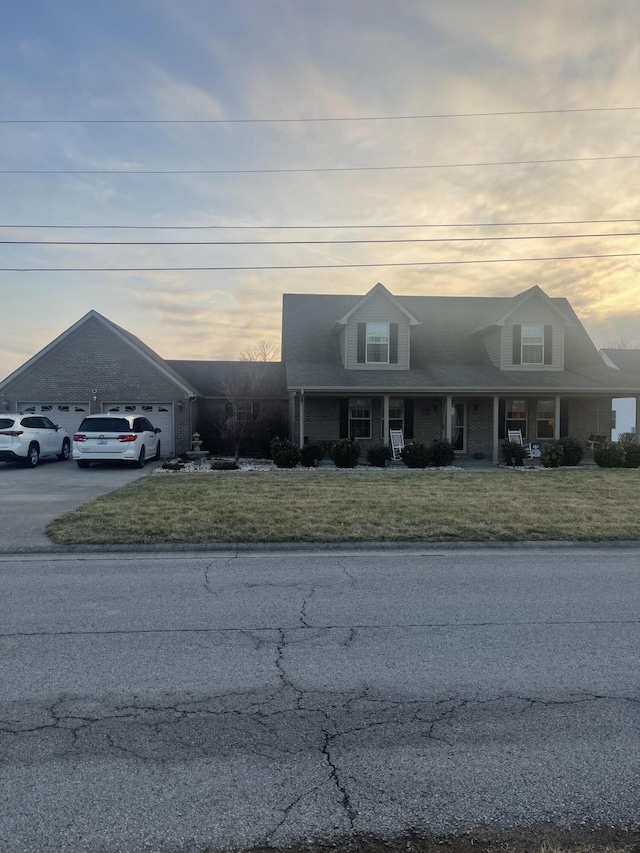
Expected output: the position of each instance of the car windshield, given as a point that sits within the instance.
(6, 423)
(104, 425)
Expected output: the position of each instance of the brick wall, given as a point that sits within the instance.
(92, 357)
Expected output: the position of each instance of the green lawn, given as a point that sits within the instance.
(402, 506)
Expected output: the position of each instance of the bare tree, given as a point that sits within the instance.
(621, 343)
(249, 406)
(261, 351)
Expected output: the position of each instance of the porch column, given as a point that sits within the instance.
(556, 420)
(301, 434)
(385, 420)
(448, 417)
(496, 430)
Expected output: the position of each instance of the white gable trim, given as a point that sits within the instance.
(379, 288)
(524, 298)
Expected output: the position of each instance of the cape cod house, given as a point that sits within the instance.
(463, 368)
(467, 369)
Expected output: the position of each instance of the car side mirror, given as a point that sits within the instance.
(157, 430)
(58, 427)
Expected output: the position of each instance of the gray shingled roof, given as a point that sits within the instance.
(446, 355)
(626, 359)
(209, 377)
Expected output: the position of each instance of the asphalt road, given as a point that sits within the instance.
(174, 702)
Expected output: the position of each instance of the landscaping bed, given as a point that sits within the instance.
(410, 506)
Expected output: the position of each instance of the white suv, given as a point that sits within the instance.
(25, 438)
(114, 438)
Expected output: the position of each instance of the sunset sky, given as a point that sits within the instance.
(262, 60)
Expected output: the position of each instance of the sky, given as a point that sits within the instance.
(69, 70)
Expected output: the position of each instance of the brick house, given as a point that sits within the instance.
(462, 368)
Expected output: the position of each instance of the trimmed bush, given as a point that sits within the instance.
(378, 455)
(284, 453)
(609, 456)
(552, 454)
(442, 454)
(513, 453)
(173, 465)
(416, 455)
(573, 450)
(311, 454)
(224, 465)
(631, 455)
(345, 453)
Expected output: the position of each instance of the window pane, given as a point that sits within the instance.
(533, 334)
(378, 353)
(532, 354)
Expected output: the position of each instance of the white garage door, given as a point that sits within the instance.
(160, 415)
(68, 415)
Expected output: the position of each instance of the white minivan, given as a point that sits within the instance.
(114, 438)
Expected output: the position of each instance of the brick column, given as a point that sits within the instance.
(496, 430)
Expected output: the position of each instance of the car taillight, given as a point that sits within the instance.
(13, 432)
(127, 437)
(79, 437)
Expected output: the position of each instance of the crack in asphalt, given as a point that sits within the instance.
(408, 626)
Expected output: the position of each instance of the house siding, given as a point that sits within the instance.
(90, 358)
(493, 345)
(377, 309)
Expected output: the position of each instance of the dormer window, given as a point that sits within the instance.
(377, 343)
(532, 345)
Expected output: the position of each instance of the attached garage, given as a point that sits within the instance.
(96, 366)
(68, 415)
(160, 415)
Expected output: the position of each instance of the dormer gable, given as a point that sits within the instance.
(374, 334)
(526, 332)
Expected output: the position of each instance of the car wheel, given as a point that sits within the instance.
(66, 450)
(157, 456)
(82, 463)
(141, 460)
(32, 456)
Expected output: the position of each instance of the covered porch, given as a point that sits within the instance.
(475, 424)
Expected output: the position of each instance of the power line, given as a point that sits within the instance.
(305, 242)
(312, 169)
(311, 119)
(320, 227)
(317, 266)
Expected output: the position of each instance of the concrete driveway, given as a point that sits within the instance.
(32, 497)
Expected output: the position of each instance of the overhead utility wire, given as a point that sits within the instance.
(318, 227)
(316, 266)
(321, 119)
(311, 169)
(304, 242)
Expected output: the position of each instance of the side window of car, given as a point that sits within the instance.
(48, 424)
(147, 424)
(32, 423)
(139, 424)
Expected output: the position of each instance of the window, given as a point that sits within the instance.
(48, 424)
(359, 417)
(396, 413)
(533, 345)
(545, 418)
(377, 343)
(516, 416)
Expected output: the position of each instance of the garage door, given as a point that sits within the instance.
(160, 415)
(68, 415)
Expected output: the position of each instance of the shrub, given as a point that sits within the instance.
(345, 453)
(224, 465)
(513, 453)
(311, 454)
(173, 465)
(573, 451)
(442, 454)
(609, 456)
(631, 455)
(416, 455)
(284, 453)
(552, 454)
(378, 455)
